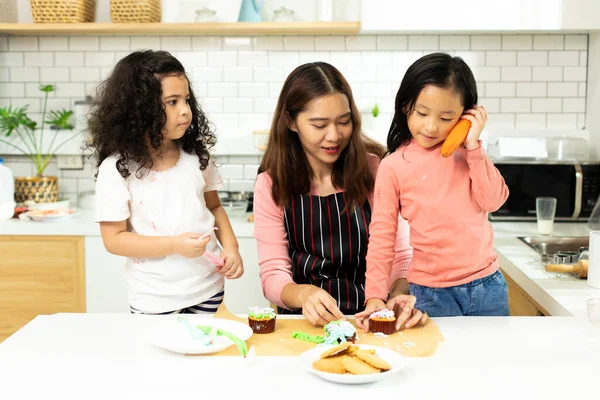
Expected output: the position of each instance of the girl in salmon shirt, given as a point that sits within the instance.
(446, 201)
(313, 201)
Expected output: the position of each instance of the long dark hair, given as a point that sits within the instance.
(128, 111)
(285, 159)
(437, 69)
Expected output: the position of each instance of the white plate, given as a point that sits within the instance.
(48, 218)
(63, 204)
(395, 359)
(173, 336)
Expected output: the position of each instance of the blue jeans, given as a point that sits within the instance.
(487, 296)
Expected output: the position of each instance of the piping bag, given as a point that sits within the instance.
(209, 255)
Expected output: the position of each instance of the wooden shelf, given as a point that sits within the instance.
(217, 28)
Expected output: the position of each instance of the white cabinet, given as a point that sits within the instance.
(246, 291)
(105, 286)
(379, 16)
(106, 289)
(580, 15)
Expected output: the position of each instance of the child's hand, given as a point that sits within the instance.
(362, 318)
(403, 306)
(189, 244)
(478, 117)
(318, 307)
(234, 266)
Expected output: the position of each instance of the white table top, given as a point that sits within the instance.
(98, 355)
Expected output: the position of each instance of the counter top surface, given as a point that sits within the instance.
(561, 295)
(99, 355)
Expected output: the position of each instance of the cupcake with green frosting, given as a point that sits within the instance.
(261, 319)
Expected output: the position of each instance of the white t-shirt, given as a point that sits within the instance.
(163, 203)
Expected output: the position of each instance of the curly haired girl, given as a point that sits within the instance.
(156, 189)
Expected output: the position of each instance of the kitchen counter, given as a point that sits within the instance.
(105, 270)
(559, 295)
(74, 356)
(82, 224)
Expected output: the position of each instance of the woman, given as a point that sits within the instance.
(313, 201)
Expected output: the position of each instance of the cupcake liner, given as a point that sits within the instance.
(385, 327)
(262, 326)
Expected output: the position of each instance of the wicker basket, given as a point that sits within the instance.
(39, 189)
(63, 10)
(135, 10)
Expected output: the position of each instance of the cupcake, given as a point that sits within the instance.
(340, 331)
(382, 321)
(261, 319)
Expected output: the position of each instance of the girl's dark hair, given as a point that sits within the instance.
(285, 159)
(128, 113)
(437, 69)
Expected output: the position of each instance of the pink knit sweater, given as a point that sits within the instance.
(446, 202)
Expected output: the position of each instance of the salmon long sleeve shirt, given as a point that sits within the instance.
(446, 202)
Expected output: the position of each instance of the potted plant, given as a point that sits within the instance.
(14, 121)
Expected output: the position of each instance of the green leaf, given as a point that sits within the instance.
(47, 88)
(13, 118)
(30, 124)
(60, 119)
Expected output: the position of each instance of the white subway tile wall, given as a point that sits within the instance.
(238, 173)
(525, 81)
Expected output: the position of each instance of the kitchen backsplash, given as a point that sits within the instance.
(238, 173)
(525, 81)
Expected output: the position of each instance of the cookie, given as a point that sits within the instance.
(356, 366)
(333, 365)
(373, 360)
(352, 350)
(340, 348)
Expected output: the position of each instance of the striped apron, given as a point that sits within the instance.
(328, 247)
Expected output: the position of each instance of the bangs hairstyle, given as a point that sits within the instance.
(285, 159)
(128, 113)
(437, 69)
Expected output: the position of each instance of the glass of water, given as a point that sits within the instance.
(545, 208)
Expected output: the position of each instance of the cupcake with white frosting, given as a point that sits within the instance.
(382, 321)
(340, 331)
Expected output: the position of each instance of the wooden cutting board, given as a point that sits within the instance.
(420, 341)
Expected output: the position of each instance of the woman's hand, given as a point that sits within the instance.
(318, 307)
(403, 306)
(362, 318)
(234, 266)
(478, 117)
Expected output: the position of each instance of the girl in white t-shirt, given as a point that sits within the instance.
(156, 189)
